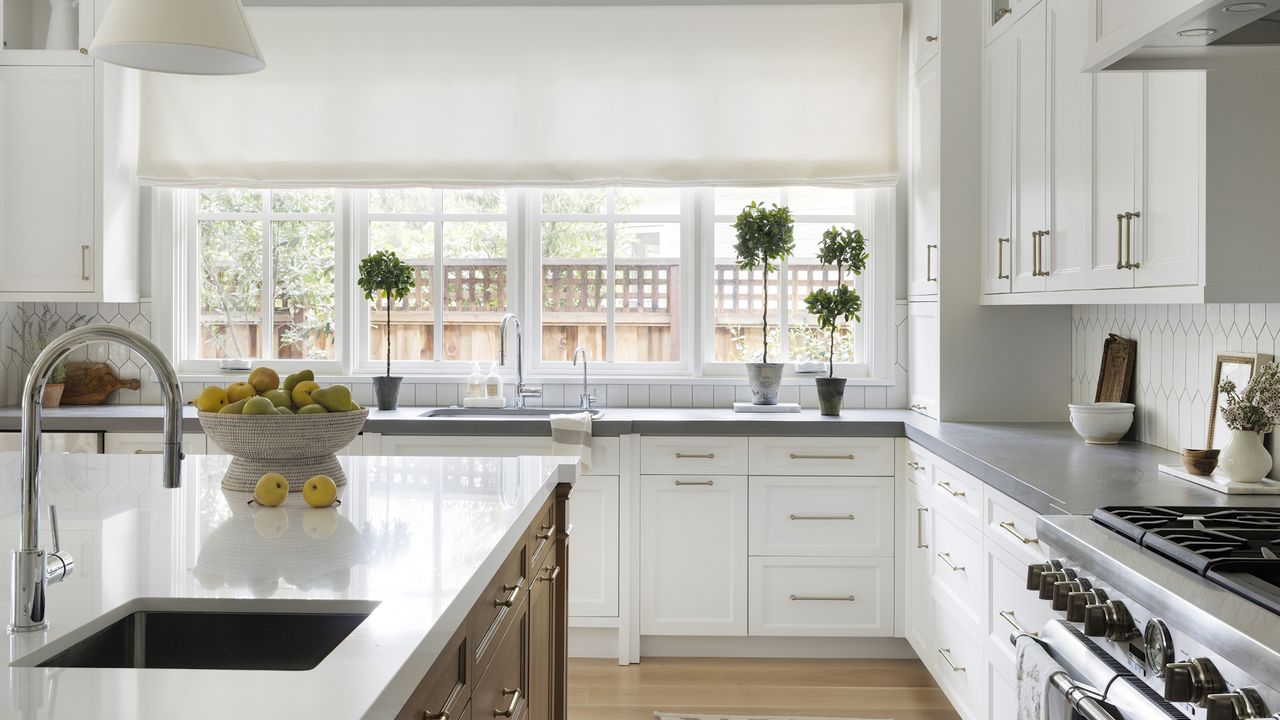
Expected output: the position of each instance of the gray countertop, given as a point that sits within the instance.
(1045, 466)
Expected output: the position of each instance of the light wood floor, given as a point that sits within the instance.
(879, 689)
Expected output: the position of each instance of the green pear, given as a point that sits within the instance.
(279, 398)
(296, 378)
(311, 409)
(234, 408)
(336, 398)
(258, 406)
(282, 410)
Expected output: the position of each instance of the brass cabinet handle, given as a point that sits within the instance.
(706, 483)
(695, 456)
(822, 517)
(1002, 12)
(920, 543)
(1128, 240)
(1035, 253)
(1010, 618)
(1039, 237)
(931, 38)
(801, 456)
(946, 655)
(511, 709)
(1012, 529)
(822, 598)
(547, 532)
(929, 275)
(510, 599)
(84, 263)
(919, 407)
(947, 486)
(428, 715)
(1120, 265)
(946, 558)
(1000, 273)
(140, 451)
(552, 574)
(84, 51)
(915, 465)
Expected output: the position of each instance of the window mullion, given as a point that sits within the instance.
(437, 272)
(610, 276)
(267, 332)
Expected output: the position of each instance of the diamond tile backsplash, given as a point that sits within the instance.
(1177, 345)
(138, 317)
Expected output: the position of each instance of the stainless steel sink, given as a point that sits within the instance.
(177, 634)
(541, 412)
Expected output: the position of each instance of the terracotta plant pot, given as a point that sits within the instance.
(52, 395)
(830, 395)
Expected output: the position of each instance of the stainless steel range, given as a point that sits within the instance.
(1166, 612)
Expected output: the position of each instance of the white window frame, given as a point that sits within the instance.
(366, 357)
(187, 337)
(532, 318)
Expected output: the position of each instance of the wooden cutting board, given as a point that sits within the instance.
(91, 383)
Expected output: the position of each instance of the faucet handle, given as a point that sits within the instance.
(53, 528)
(528, 391)
(587, 401)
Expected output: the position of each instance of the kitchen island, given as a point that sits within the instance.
(419, 544)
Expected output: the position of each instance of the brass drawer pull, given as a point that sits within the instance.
(552, 574)
(915, 465)
(946, 655)
(919, 407)
(511, 709)
(1000, 273)
(707, 483)
(1002, 12)
(547, 532)
(428, 715)
(801, 456)
(946, 558)
(84, 262)
(1128, 240)
(140, 451)
(1010, 618)
(920, 543)
(510, 599)
(1120, 241)
(822, 517)
(822, 598)
(695, 456)
(947, 486)
(929, 275)
(1013, 530)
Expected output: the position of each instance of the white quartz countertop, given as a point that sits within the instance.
(419, 537)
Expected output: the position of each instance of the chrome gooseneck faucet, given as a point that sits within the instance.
(585, 400)
(33, 569)
(522, 391)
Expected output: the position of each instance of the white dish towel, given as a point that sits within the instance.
(571, 435)
(1037, 698)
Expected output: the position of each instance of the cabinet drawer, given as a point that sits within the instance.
(958, 569)
(958, 666)
(1012, 606)
(541, 537)
(958, 491)
(821, 456)
(693, 455)
(493, 613)
(446, 687)
(824, 516)
(919, 465)
(1012, 525)
(604, 456)
(504, 685)
(826, 597)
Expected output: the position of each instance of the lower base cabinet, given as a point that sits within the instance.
(821, 597)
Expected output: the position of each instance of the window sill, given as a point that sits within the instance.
(575, 379)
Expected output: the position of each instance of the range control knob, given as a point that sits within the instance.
(1062, 590)
(1050, 579)
(1035, 571)
(1244, 704)
(1110, 619)
(1078, 601)
(1192, 681)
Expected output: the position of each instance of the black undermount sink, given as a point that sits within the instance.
(174, 635)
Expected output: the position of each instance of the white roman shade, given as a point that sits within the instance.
(581, 95)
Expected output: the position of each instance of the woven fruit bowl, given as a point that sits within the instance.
(297, 446)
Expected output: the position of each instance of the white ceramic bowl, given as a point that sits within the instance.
(1102, 423)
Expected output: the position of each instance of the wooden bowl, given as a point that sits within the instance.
(1200, 462)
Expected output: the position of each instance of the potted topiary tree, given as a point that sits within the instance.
(847, 250)
(766, 237)
(383, 274)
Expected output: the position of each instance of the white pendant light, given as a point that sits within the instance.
(187, 37)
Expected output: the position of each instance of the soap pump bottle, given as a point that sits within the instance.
(475, 382)
(493, 383)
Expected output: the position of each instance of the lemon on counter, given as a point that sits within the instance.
(211, 399)
(320, 491)
(272, 489)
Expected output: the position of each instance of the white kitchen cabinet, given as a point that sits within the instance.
(1031, 155)
(593, 510)
(693, 555)
(821, 516)
(919, 570)
(925, 28)
(1168, 236)
(959, 663)
(925, 178)
(693, 455)
(1118, 154)
(840, 456)
(54, 442)
(1011, 607)
(1002, 696)
(125, 443)
(824, 597)
(925, 376)
(25, 25)
(999, 86)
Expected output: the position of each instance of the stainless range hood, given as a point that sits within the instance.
(1193, 35)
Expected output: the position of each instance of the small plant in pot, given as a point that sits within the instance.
(34, 330)
(847, 251)
(766, 237)
(384, 275)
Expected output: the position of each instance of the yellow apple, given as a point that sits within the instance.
(271, 490)
(211, 399)
(264, 379)
(302, 392)
(240, 391)
(320, 491)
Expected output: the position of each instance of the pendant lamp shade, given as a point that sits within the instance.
(186, 37)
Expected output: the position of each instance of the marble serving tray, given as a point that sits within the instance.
(746, 407)
(1266, 487)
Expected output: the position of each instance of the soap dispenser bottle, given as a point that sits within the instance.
(493, 383)
(475, 383)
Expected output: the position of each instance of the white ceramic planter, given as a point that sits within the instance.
(1244, 459)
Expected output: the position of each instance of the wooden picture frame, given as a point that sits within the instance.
(1234, 366)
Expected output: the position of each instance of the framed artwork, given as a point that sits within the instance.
(1239, 368)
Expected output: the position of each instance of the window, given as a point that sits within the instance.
(738, 296)
(625, 273)
(609, 274)
(264, 272)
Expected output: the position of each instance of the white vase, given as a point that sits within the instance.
(63, 19)
(1244, 459)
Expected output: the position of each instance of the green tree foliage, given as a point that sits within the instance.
(766, 237)
(384, 274)
(847, 250)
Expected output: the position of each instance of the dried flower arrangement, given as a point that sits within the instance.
(1257, 408)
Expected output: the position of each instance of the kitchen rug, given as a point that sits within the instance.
(678, 716)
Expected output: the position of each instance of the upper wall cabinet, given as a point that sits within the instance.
(45, 32)
(1182, 35)
(924, 180)
(1107, 188)
(926, 35)
(68, 157)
